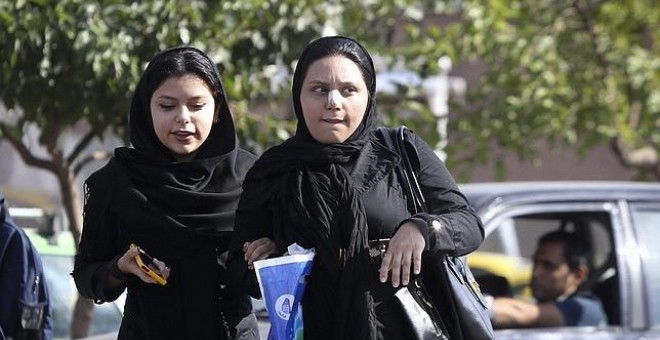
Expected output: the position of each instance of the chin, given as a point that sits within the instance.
(331, 138)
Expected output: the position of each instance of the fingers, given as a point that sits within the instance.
(127, 263)
(162, 268)
(405, 270)
(403, 256)
(392, 263)
(417, 261)
(127, 260)
(385, 267)
(258, 250)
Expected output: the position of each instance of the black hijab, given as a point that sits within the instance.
(316, 205)
(200, 194)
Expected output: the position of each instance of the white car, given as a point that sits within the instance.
(621, 220)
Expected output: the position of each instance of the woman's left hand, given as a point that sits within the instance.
(258, 250)
(405, 248)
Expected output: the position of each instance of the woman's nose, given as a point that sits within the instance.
(334, 99)
(183, 116)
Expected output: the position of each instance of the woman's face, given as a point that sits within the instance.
(183, 110)
(334, 99)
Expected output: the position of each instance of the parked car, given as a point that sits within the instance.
(57, 250)
(621, 221)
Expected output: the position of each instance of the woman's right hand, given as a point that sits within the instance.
(258, 250)
(128, 265)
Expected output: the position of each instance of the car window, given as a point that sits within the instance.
(647, 221)
(512, 238)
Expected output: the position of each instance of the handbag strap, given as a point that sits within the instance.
(395, 139)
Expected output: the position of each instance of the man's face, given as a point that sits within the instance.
(551, 276)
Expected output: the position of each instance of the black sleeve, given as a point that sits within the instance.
(450, 225)
(253, 221)
(96, 250)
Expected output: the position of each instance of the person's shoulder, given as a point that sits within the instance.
(104, 173)
(586, 297)
(245, 158)
(245, 155)
(582, 309)
(10, 233)
(9, 229)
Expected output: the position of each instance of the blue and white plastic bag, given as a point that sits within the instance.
(282, 281)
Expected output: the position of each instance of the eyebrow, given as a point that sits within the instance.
(163, 96)
(321, 82)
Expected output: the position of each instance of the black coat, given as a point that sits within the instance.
(189, 306)
(181, 213)
(374, 178)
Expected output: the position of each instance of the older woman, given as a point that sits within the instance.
(333, 187)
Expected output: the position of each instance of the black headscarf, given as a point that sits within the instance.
(312, 193)
(200, 194)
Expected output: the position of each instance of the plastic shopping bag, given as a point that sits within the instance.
(282, 283)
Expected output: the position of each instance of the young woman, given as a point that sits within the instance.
(333, 187)
(173, 195)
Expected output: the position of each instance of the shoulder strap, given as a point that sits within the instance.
(395, 139)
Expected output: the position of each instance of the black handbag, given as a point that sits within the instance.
(447, 290)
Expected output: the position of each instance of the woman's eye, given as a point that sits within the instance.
(167, 106)
(197, 106)
(319, 89)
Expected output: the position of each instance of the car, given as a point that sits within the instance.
(621, 221)
(57, 250)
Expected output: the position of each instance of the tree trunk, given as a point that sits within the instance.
(71, 200)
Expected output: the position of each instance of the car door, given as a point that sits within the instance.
(645, 221)
(511, 234)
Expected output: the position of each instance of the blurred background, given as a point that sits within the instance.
(504, 90)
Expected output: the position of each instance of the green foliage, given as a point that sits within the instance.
(63, 61)
(580, 72)
(72, 60)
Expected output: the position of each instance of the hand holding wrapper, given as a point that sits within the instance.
(282, 282)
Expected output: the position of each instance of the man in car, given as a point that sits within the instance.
(560, 267)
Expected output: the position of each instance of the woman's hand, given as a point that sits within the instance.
(127, 264)
(405, 248)
(258, 250)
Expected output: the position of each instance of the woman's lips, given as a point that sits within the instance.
(183, 136)
(332, 120)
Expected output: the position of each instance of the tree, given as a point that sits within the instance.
(575, 72)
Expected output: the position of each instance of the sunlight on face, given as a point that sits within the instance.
(182, 110)
(334, 99)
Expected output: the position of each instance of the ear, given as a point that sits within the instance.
(581, 273)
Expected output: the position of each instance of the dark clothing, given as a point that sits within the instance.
(117, 214)
(582, 309)
(22, 284)
(263, 213)
(335, 197)
(182, 213)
